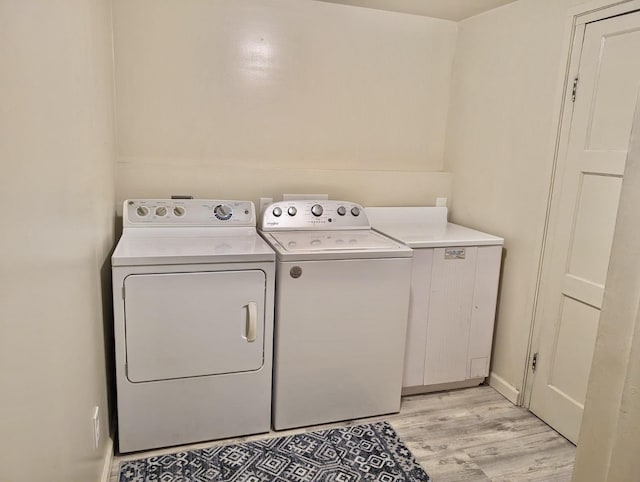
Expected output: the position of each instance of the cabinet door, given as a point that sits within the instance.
(483, 310)
(452, 286)
(418, 321)
(182, 325)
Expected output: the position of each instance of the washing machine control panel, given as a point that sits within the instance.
(188, 212)
(313, 215)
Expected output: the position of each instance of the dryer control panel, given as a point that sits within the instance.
(188, 212)
(303, 215)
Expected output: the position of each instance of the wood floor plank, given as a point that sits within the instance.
(536, 456)
(471, 434)
(452, 468)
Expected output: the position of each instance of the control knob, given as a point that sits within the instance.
(222, 212)
(277, 212)
(161, 211)
(178, 211)
(142, 211)
(355, 211)
(292, 211)
(316, 210)
(342, 211)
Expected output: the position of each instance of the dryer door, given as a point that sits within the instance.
(182, 325)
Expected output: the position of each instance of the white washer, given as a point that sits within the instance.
(193, 288)
(342, 298)
(453, 297)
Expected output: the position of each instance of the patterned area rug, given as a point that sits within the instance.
(371, 452)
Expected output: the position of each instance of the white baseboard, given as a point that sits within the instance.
(505, 389)
(108, 459)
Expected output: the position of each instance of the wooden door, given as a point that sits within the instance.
(582, 219)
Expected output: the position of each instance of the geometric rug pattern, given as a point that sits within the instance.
(371, 452)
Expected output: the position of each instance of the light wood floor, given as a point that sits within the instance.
(472, 434)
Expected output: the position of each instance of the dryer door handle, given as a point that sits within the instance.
(252, 321)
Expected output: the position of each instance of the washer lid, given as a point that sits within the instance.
(306, 245)
(138, 247)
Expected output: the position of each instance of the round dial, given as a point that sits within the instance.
(161, 211)
(142, 211)
(178, 211)
(316, 210)
(222, 212)
(355, 211)
(277, 212)
(292, 211)
(342, 211)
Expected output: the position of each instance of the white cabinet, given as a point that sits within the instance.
(451, 317)
(454, 286)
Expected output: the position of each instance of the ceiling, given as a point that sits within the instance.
(448, 9)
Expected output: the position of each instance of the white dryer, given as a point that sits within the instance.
(342, 297)
(193, 290)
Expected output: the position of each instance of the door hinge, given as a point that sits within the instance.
(574, 90)
(534, 362)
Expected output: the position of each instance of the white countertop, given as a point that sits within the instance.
(426, 227)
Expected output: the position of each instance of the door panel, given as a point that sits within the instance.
(594, 224)
(612, 100)
(193, 324)
(582, 219)
(575, 342)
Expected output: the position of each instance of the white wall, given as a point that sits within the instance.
(57, 155)
(500, 141)
(246, 98)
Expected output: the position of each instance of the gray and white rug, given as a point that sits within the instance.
(371, 452)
